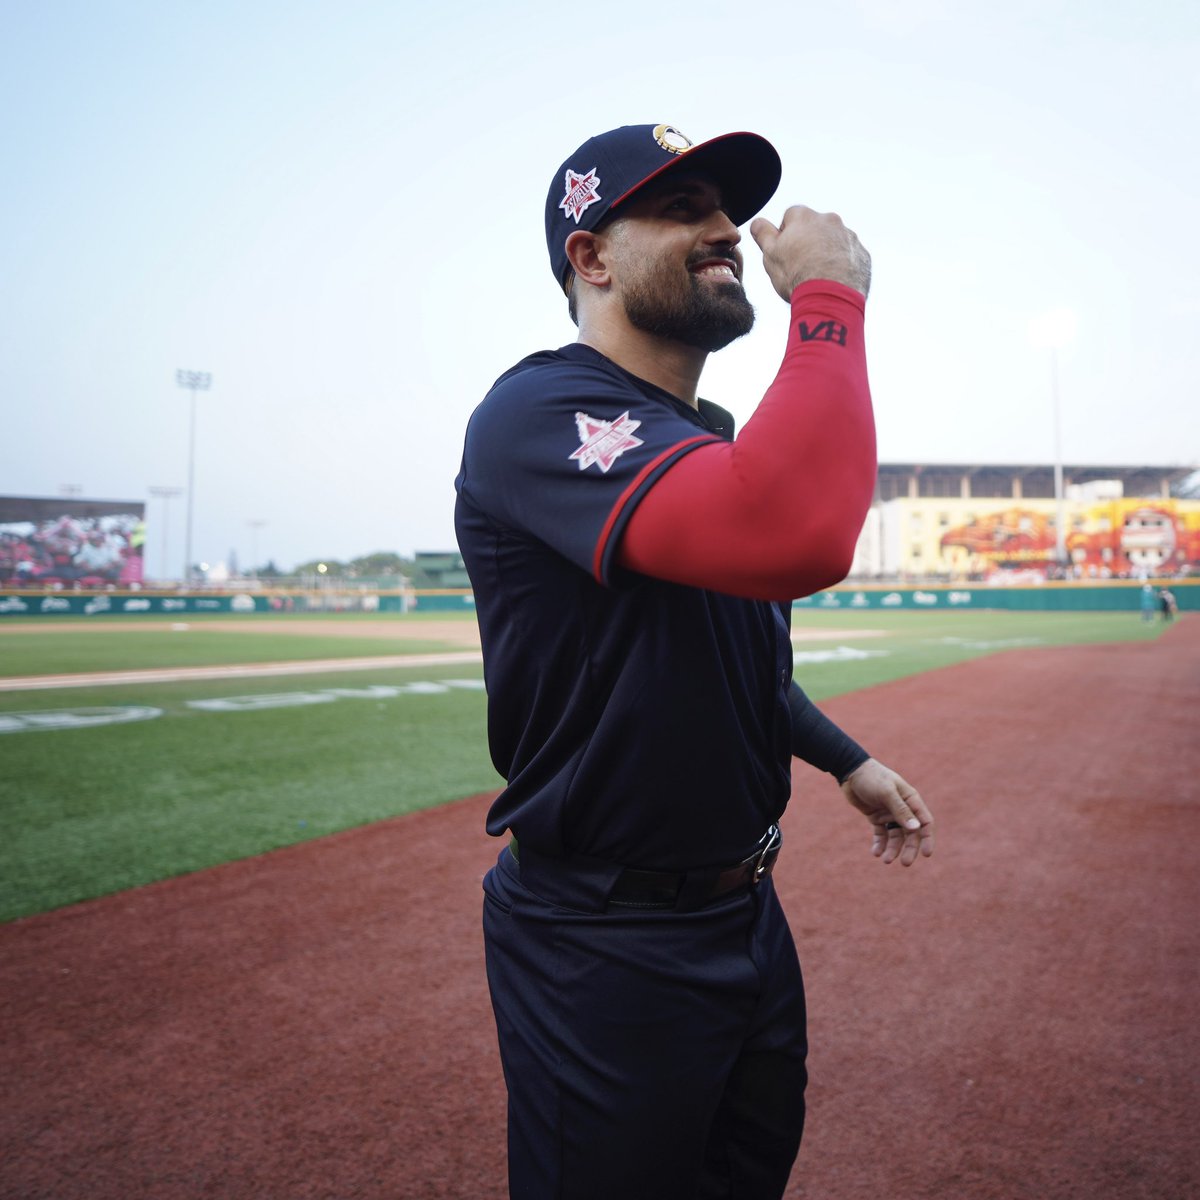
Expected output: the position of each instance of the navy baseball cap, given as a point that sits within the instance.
(610, 168)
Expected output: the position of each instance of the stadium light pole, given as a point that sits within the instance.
(1054, 331)
(194, 381)
(1060, 533)
(164, 492)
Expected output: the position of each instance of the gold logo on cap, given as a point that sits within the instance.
(669, 138)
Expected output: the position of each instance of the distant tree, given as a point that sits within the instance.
(332, 566)
(379, 564)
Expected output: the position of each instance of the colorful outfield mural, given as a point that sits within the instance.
(1121, 539)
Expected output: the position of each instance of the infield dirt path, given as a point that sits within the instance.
(1014, 1019)
(455, 632)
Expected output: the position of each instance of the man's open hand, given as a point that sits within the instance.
(902, 823)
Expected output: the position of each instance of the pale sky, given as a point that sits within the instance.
(336, 209)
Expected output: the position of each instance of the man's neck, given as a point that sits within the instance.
(668, 364)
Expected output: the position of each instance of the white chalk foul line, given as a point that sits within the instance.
(29, 683)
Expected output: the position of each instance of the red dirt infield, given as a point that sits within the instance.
(1014, 1019)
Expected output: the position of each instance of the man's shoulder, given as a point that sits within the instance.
(569, 362)
(553, 379)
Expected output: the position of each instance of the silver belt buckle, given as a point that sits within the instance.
(774, 841)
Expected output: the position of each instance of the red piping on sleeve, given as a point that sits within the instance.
(623, 500)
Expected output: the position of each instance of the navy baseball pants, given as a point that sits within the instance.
(649, 1055)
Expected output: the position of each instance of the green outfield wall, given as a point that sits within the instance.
(1113, 596)
(30, 603)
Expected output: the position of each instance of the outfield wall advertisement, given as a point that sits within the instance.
(29, 603)
(1115, 596)
(1051, 597)
(107, 604)
(53, 542)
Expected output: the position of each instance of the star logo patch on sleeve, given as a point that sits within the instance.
(603, 442)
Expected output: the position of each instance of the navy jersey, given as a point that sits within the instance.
(634, 720)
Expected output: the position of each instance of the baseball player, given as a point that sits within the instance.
(633, 567)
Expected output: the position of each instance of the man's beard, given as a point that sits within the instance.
(701, 313)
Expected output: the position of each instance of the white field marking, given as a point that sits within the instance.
(828, 635)
(75, 718)
(82, 718)
(27, 683)
(837, 654)
(325, 695)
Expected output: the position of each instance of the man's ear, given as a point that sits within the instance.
(585, 252)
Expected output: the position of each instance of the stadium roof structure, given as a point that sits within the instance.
(1030, 481)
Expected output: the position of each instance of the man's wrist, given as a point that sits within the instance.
(843, 777)
(809, 288)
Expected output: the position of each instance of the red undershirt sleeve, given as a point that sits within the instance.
(776, 513)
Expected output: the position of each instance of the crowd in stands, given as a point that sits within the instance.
(72, 552)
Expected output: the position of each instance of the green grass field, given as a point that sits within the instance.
(922, 641)
(38, 648)
(92, 810)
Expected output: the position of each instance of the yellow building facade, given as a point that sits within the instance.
(930, 523)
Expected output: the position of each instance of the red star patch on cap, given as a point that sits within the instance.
(581, 193)
(604, 441)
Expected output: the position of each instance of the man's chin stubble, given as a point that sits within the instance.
(709, 323)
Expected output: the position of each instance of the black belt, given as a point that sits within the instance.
(635, 888)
